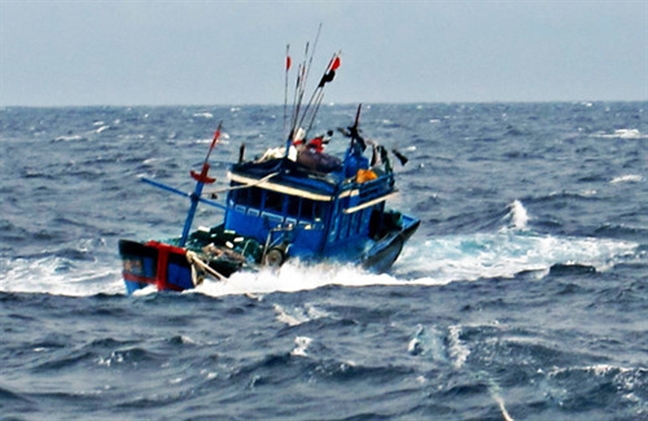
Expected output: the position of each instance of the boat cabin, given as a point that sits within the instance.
(282, 204)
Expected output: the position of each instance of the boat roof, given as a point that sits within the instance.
(291, 178)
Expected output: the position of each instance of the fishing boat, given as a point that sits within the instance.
(293, 202)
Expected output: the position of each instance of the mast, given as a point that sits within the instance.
(307, 114)
(201, 178)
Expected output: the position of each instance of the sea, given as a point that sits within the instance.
(522, 296)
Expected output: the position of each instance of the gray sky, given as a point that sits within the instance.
(145, 52)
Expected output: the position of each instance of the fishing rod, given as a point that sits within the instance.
(285, 108)
(300, 89)
(308, 68)
(302, 79)
(310, 65)
(291, 134)
(318, 93)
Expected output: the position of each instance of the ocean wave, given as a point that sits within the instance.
(203, 115)
(70, 138)
(301, 346)
(436, 261)
(52, 274)
(130, 357)
(298, 315)
(577, 387)
(630, 178)
(631, 134)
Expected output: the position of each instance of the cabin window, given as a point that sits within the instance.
(295, 207)
(307, 207)
(273, 201)
(318, 210)
(292, 206)
(301, 208)
(248, 197)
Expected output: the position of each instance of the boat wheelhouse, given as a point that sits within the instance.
(311, 216)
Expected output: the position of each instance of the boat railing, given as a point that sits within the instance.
(369, 189)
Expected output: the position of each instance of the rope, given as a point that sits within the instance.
(194, 260)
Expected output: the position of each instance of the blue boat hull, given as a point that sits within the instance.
(168, 268)
(385, 252)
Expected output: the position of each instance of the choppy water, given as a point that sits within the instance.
(524, 294)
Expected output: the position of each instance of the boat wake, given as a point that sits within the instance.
(60, 276)
(438, 260)
(511, 250)
(435, 261)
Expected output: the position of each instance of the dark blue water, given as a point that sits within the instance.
(523, 296)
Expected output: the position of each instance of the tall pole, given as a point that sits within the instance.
(201, 178)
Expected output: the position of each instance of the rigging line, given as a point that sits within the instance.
(318, 102)
(245, 186)
(312, 54)
(301, 87)
(317, 93)
(193, 259)
(294, 105)
(319, 30)
(310, 101)
(305, 77)
(310, 63)
(285, 107)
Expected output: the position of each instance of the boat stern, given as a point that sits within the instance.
(153, 263)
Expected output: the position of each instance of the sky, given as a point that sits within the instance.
(146, 52)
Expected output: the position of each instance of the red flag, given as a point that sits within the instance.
(336, 63)
(288, 63)
(216, 136)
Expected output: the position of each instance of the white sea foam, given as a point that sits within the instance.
(414, 346)
(518, 214)
(59, 276)
(630, 178)
(290, 318)
(204, 115)
(434, 346)
(622, 134)
(435, 261)
(69, 138)
(469, 257)
(295, 276)
(626, 380)
(301, 346)
(598, 370)
(457, 349)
